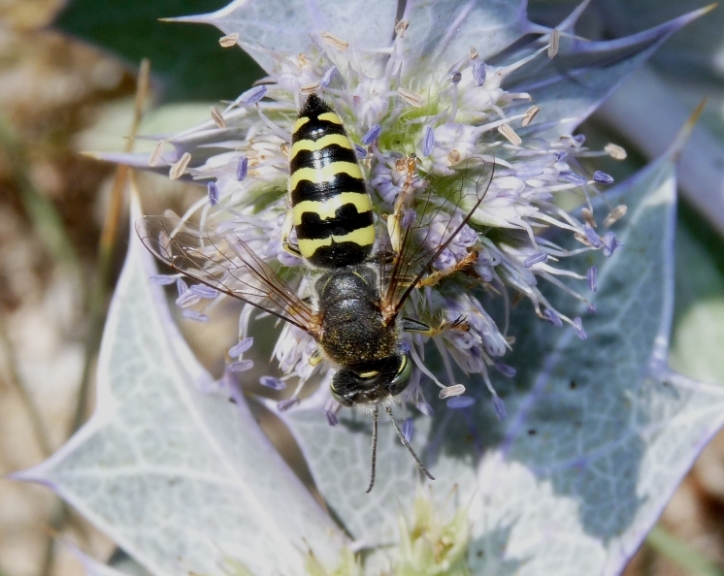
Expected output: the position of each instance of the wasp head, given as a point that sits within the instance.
(371, 382)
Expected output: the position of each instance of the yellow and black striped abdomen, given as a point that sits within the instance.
(331, 208)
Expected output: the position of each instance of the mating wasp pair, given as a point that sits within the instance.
(355, 312)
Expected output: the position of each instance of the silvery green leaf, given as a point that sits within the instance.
(181, 479)
(583, 73)
(279, 26)
(598, 436)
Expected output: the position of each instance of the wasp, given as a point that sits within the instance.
(355, 314)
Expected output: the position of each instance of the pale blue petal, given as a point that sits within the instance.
(181, 479)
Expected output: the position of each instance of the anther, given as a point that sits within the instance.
(452, 391)
(615, 151)
(616, 214)
(510, 134)
(554, 43)
(334, 41)
(229, 40)
(411, 98)
(177, 170)
(217, 117)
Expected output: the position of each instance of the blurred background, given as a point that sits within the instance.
(63, 233)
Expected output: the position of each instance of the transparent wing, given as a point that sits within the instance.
(425, 226)
(225, 262)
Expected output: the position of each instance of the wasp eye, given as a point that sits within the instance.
(337, 387)
(399, 382)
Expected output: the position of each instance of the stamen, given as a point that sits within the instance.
(421, 366)
(479, 73)
(326, 79)
(411, 98)
(217, 117)
(334, 41)
(177, 170)
(552, 317)
(240, 366)
(163, 279)
(181, 286)
(401, 27)
(310, 88)
(229, 40)
(592, 276)
(530, 113)
(285, 405)
(332, 419)
(578, 325)
(372, 134)
(155, 156)
(505, 369)
(241, 347)
(510, 134)
(242, 168)
(249, 97)
(272, 382)
(592, 237)
(187, 299)
(573, 178)
(499, 407)
(610, 244)
(615, 151)
(554, 43)
(617, 213)
(588, 217)
(428, 142)
(195, 316)
(452, 391)
(602, 177)
(534, 259)
(213, 192)
(204, 291)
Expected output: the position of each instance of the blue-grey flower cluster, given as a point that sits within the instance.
(467, 135)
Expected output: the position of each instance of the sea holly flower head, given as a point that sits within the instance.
(441, 130)
(454, 104)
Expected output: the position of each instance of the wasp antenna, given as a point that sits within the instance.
(373, 466)
(406, 443)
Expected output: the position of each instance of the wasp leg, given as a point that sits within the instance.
(286, 231)
(394, 221)
(435, 277)
(410, 325)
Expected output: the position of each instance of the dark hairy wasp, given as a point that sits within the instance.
(355, 312)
